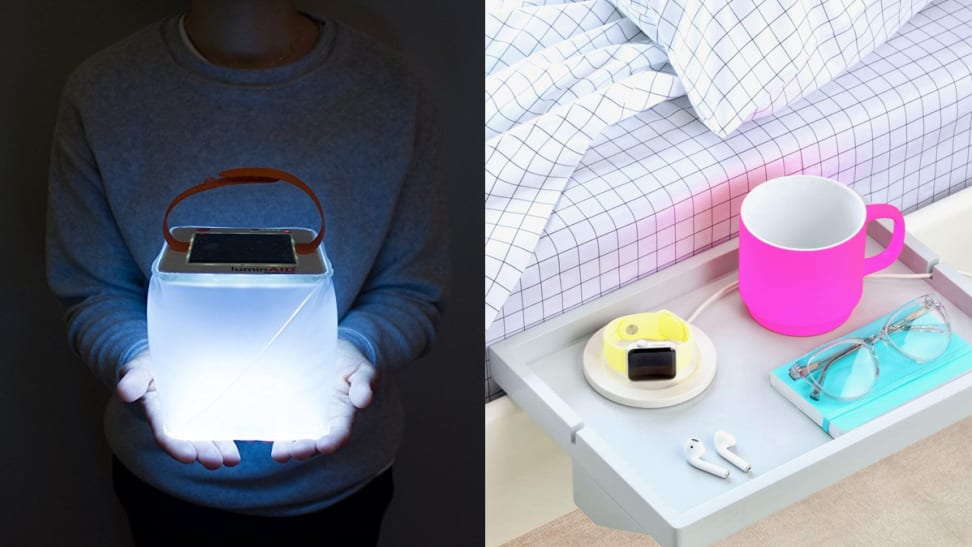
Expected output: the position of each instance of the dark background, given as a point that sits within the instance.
(55, 482)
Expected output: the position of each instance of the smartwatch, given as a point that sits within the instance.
(648, 346)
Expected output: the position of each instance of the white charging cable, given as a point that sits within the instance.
(898, 276)
(715, 296)
(735, 284)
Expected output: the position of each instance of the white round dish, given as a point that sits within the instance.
(651, 394)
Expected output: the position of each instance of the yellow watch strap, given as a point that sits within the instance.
(662, 325)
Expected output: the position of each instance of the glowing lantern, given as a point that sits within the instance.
(242, 326)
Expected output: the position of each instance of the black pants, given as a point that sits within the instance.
(157, 518)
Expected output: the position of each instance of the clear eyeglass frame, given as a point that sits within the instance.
(924, 316)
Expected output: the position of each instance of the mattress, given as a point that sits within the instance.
(656, 186)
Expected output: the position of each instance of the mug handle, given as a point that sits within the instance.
(886, 257)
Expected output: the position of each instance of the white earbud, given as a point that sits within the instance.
(694, 450)
(723, 442)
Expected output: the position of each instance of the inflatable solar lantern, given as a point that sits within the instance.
(242, 326)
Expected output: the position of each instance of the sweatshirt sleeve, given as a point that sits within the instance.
(394, 318)
(89, 266)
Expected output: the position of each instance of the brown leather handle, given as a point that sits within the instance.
(245, 175)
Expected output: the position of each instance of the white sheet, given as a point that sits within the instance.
(548, 96)
(744, 59)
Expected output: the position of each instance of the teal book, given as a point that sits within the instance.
(900, 380)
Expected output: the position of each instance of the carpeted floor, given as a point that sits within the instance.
(919, 496)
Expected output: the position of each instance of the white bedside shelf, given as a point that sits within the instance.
(628, 467)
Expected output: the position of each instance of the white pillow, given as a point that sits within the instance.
(742, 59)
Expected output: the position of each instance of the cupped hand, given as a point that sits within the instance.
(138, 386)
(353, 390)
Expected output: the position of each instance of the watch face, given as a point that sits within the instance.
(651, 364)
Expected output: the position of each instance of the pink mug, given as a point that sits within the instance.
(801, 252)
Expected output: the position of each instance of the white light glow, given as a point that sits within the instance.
(252, 359)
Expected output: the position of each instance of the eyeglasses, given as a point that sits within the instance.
(847, 369)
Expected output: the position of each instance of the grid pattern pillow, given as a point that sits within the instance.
(743, 59)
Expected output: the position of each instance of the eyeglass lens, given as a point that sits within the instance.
(919, 330)
(845, 370)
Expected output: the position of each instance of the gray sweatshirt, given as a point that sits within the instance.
(147, 118)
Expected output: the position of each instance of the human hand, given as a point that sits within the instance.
(353, 390)
(137, 385)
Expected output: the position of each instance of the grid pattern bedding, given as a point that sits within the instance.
(744, 59)
(642, 183)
